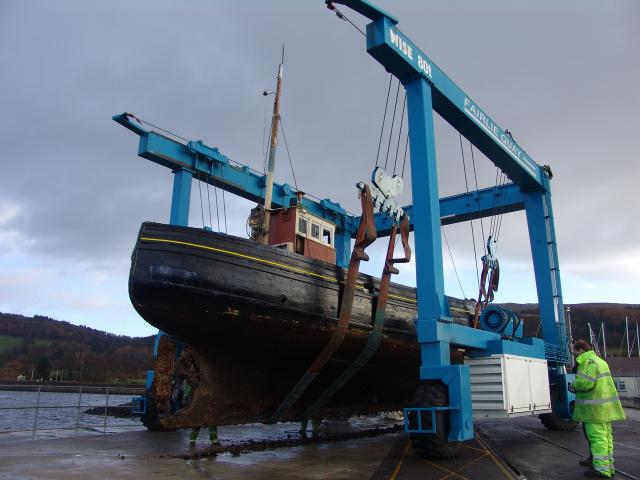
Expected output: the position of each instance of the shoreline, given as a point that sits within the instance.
(72, 387)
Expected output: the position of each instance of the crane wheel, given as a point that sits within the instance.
(426, 445)
(552, 420)
(150, 418)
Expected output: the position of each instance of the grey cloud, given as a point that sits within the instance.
(562, 78)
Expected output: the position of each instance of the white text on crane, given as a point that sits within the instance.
(488, 125)
(407, 50)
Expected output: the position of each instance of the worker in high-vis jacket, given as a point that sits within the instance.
(597, 405)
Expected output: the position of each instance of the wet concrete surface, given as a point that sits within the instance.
(165, 455)
(475, 461)
(541, 454)
(143, 454)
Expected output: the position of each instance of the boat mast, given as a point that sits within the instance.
(572, 358)
(275, 120)
(626, 321)
(594, 340)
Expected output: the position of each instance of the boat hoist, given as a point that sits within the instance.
(454, 390)
(455, 358)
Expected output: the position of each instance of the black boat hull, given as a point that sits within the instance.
(255, 317)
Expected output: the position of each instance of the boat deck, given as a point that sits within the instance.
(518, 449)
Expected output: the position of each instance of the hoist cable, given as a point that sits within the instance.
(446, 241)
(502, 207)
(384, 118)
(501, 201)
(284, 136)
(342, 16)
(497, 202)
(406, 145)
(473, 159)
(393, 121)
(499, 225)
(494, 203)
(404, 103)
(473, 235)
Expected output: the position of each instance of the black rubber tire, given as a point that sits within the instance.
(553, 421)
(434, 394)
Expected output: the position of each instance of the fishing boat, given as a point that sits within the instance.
(255, 316)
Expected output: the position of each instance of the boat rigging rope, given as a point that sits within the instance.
(284, 136)
(265, 140)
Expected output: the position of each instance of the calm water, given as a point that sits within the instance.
(58, 410)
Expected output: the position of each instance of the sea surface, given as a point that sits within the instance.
(55, 410)
(60, 414)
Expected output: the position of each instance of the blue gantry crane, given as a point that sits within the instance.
(429, 89)
(498, 359)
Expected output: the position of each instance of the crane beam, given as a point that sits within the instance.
(211, 166)
(195, 159)
(464, 207)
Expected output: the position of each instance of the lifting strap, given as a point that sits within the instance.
(366, 236)
(491, 269)
(375, 336)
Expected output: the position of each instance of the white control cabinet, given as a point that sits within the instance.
(504, 386)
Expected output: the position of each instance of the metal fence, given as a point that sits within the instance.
(45, 407)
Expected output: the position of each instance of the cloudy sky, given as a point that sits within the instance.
(561, 76)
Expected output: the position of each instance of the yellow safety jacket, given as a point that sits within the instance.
(596, 396)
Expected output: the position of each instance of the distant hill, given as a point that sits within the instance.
(45, 345)
(611, 314)
(53, 348)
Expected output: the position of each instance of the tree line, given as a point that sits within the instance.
(41, 347)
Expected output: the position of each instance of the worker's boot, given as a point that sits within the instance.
(587, 461)
(193, 437)
(213, 436)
